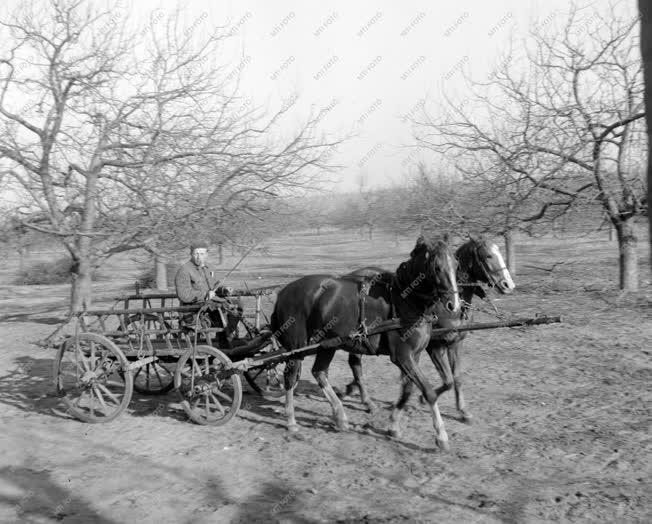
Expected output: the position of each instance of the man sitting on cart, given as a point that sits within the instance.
(196, 283)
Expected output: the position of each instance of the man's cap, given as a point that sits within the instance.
(198, 244)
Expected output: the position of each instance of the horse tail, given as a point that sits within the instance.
(273, 320)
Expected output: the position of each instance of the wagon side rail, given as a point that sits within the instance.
(145, 331)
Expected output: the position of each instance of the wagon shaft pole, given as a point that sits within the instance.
(517, 322)
(245, 360)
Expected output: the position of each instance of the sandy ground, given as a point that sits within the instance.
(561, 433)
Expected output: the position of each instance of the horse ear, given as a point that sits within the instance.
(446, 238)
(421, 243)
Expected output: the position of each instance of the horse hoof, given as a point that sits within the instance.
(341, 425)
(394, 433)
(443, 444)
(467, 418)
(339, 392)
(293, 428)
(371, 407)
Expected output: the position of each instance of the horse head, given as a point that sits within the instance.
(431, 271)
(483, 262)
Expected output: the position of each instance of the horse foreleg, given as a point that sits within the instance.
(412, 371)
(355, 363)
(320, 372)
(290, 379)
(454, 356)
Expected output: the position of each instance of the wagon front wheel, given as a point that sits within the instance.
(267, 382)
(208, 386)
(92, 377)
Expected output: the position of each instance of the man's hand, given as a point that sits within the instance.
(210, 295)
(224, 291)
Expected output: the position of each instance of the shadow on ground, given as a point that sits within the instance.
(38, 498)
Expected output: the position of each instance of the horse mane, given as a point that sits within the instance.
(467, 258)
(464, 253)
(436, 248)
(466, 250)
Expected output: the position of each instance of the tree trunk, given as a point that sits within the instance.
(220, 253)
(611, 233)
(645, 10)
(161, 274)
(628, 255)
(22, 251)
(510, 253)
(81, 291)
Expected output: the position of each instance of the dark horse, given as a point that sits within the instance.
(318, 307)
(479, 262)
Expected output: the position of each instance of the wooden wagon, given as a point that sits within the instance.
(148, 348)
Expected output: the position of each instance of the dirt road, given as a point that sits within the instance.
(561, 431)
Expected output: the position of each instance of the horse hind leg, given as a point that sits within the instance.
(291, 377)
(355, 363)
(407, 386)
(354, 360)
(455, 359)
(439, 355)
(320, 372)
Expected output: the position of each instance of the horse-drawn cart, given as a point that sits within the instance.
(149, 348)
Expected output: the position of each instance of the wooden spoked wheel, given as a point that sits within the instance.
(92, 378)
(155, 378)
(209, 387)
(267, 381)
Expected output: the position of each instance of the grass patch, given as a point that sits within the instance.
(47, 273)
(147, 276)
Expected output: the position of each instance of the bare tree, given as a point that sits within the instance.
(124, 146)
(567, 130)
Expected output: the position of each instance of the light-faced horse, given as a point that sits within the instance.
(318, 307)
(479, 262)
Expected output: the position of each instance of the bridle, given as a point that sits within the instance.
(489, 273)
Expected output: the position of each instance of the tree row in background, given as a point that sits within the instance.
(119, 139)
(557, 128)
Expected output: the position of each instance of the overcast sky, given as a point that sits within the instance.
(371, 62)
(368, 63)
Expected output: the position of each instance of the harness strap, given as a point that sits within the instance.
(362, 333)
(365, 286)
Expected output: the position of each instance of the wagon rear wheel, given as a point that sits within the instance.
(155, 378)
(267, 382)
(92, 377)
(209, 387)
